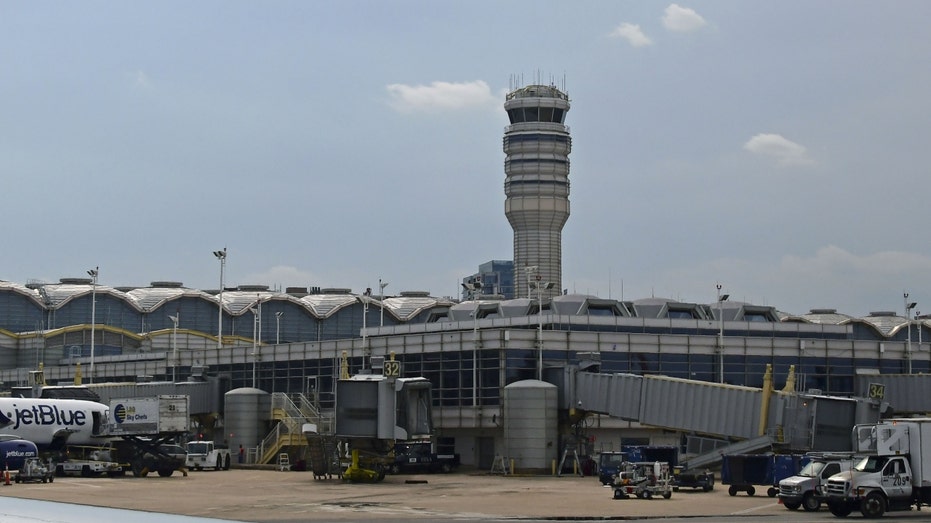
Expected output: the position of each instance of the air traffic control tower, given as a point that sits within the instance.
(536, 168)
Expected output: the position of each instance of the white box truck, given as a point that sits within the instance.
(894, 473)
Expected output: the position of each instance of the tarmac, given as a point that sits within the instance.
(270, 496)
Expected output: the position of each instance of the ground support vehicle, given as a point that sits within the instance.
(806, 489)
(206, 454)
(34, 471)
(418, 456)
(743, 471)
(694, 479)
(609, 465)
(87, 468)
(894, 473)
(643, 480)
(147, 427)
(682, 476)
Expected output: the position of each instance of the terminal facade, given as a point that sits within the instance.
(299, 340)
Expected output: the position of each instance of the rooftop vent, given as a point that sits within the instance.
(879, 314)
(166, 284)
(823, 311)
(252, 288)
(76, 281)
(415, 294)
(335, 290)
(296, 291)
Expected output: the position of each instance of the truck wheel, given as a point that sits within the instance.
(667, 494)
(772, 491)
(792, 505)
(226, 462)
(85, 471)
(750, 490)
(732, 490)
(810, 503)
(646, 494)
(219, 463)
(841, 510)
(874, 506)
(707, 488)
(165, 472)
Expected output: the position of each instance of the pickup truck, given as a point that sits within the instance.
(806, 489)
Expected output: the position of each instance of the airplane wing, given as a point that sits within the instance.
(15, 510)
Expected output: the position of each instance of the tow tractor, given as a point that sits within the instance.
(34, 471)
(643, 480)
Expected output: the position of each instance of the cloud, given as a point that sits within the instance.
(785, 151)
(632, 34)
(682, 19)
(440, 96)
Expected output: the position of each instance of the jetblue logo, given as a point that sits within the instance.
(19, 454)
(42, 415)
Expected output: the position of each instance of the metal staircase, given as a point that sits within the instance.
(291, 413)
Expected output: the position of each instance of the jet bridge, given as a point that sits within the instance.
(747, 418)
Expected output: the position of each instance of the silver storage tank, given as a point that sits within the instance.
(247, 412)
(530, 425)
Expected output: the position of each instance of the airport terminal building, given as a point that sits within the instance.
(515, 324)
(292, 342)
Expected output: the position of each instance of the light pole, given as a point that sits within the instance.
(278, 316)
(381, 299)
(365, 314)
(93, 274)
(221, 255)
(472, 288)
(255, 322)
(908, 349)
(530, 270)
(533, 282)
(721, 299)
(174, 346)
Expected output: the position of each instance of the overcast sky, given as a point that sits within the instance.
(779, 148)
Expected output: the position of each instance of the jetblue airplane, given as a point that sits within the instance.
(53, 423)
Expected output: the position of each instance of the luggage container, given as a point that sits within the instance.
(745, 471)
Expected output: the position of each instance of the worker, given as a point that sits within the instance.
(242, 453)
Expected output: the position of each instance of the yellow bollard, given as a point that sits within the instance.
(512, 467)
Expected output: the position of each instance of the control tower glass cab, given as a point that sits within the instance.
(536, 167)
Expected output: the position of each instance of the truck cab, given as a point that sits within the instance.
(609, 465)
(806, 489)
(205, 454)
